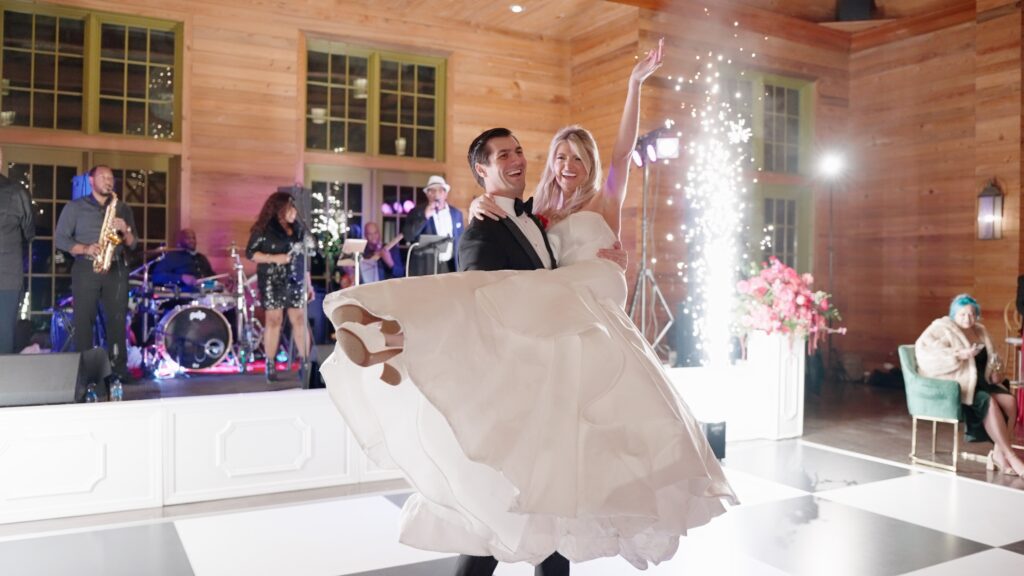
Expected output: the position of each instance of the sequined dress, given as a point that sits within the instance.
(281, 285)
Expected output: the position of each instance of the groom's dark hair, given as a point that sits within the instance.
(478, 153)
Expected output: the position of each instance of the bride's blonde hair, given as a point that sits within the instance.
(551, 200)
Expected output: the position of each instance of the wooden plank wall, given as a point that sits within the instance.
(244, 98)
(936, 112)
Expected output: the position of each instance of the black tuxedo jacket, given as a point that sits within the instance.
(500, 245)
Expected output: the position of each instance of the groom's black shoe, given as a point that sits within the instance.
(475, 565)
(554, 565)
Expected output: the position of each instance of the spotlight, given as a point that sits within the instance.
(667, 147)
(652, 152)
(831, 165)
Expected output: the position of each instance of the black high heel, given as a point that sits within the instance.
(271, 370)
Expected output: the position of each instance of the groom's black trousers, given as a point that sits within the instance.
(554, 565)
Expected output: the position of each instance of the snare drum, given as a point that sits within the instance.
(194, 337)
(219, 302)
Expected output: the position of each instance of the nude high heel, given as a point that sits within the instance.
(365, 346)
(991, 464)
(352, 313)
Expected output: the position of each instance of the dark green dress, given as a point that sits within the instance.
(974, 414)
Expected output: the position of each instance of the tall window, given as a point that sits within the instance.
(136, 81)
(781, 129)
(337, 212)
(397, 201)
(780, 226)
(42, 71)
(373, 102)
(69, 69)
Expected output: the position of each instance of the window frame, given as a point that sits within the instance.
(91, 55)
(373, 123)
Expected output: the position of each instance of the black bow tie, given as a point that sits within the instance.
(526, 207)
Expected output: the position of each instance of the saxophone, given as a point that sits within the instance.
(109, 238)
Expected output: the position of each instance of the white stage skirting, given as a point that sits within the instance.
(76, 459)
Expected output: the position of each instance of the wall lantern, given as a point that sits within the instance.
(990, 212)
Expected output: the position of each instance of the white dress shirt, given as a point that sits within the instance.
(529, 228)
(443, 225)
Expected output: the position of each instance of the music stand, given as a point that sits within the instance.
(355, 248)
(428, 245)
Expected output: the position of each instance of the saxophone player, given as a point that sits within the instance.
(79, 233)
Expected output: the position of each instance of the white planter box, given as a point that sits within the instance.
(762, 397)
(778, 362)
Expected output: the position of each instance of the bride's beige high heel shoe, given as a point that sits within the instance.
(365, 346)
(353, 313)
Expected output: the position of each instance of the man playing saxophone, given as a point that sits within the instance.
(80, 232)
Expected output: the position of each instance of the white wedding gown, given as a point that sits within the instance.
(532, 416)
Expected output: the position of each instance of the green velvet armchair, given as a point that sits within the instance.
(930, 399)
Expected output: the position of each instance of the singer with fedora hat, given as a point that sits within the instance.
(434, 217)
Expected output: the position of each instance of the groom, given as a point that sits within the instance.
(518, 242)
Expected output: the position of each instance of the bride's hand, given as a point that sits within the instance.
(648, 64)
(485, 206)
(615, 254)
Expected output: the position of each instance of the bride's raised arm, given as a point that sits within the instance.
(614, 192)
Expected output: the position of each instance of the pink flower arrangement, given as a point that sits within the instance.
(777, 300)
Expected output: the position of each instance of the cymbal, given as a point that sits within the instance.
(162, 250)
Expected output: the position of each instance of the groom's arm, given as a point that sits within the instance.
(479, 250)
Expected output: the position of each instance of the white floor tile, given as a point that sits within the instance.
(751, 489)
(972, 510)
(327, 538)
(990, 562)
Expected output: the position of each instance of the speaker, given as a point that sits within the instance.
(715, 433)
(848, 10)
(685, 342)
(30, 379)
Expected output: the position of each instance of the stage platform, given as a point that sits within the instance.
(175, 441)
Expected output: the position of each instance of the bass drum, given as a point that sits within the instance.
(194, 337)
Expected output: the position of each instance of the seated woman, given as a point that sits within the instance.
(957, 347)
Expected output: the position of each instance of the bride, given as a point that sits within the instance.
(526, 410)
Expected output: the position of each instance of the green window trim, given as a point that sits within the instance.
(94, 20)
(376, 93)
(806, 90)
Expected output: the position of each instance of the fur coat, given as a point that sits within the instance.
(936, 350)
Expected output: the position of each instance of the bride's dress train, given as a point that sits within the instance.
(532, 416)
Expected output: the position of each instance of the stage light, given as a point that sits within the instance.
(652, 152)
(667, 147)
(637, 159)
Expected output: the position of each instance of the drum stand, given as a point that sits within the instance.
(248, 332)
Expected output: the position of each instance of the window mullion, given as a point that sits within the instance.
(91, 76)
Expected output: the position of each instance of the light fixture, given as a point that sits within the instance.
(658, 144)
(990, 212)
(515, 8)
(319, 115)
(831, 165)
(359, 91)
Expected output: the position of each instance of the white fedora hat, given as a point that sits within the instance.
(436, 180)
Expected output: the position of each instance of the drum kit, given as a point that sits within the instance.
(184, 331)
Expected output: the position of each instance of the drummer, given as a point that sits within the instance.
(182, 267)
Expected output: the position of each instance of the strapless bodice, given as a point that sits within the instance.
(579, 236)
